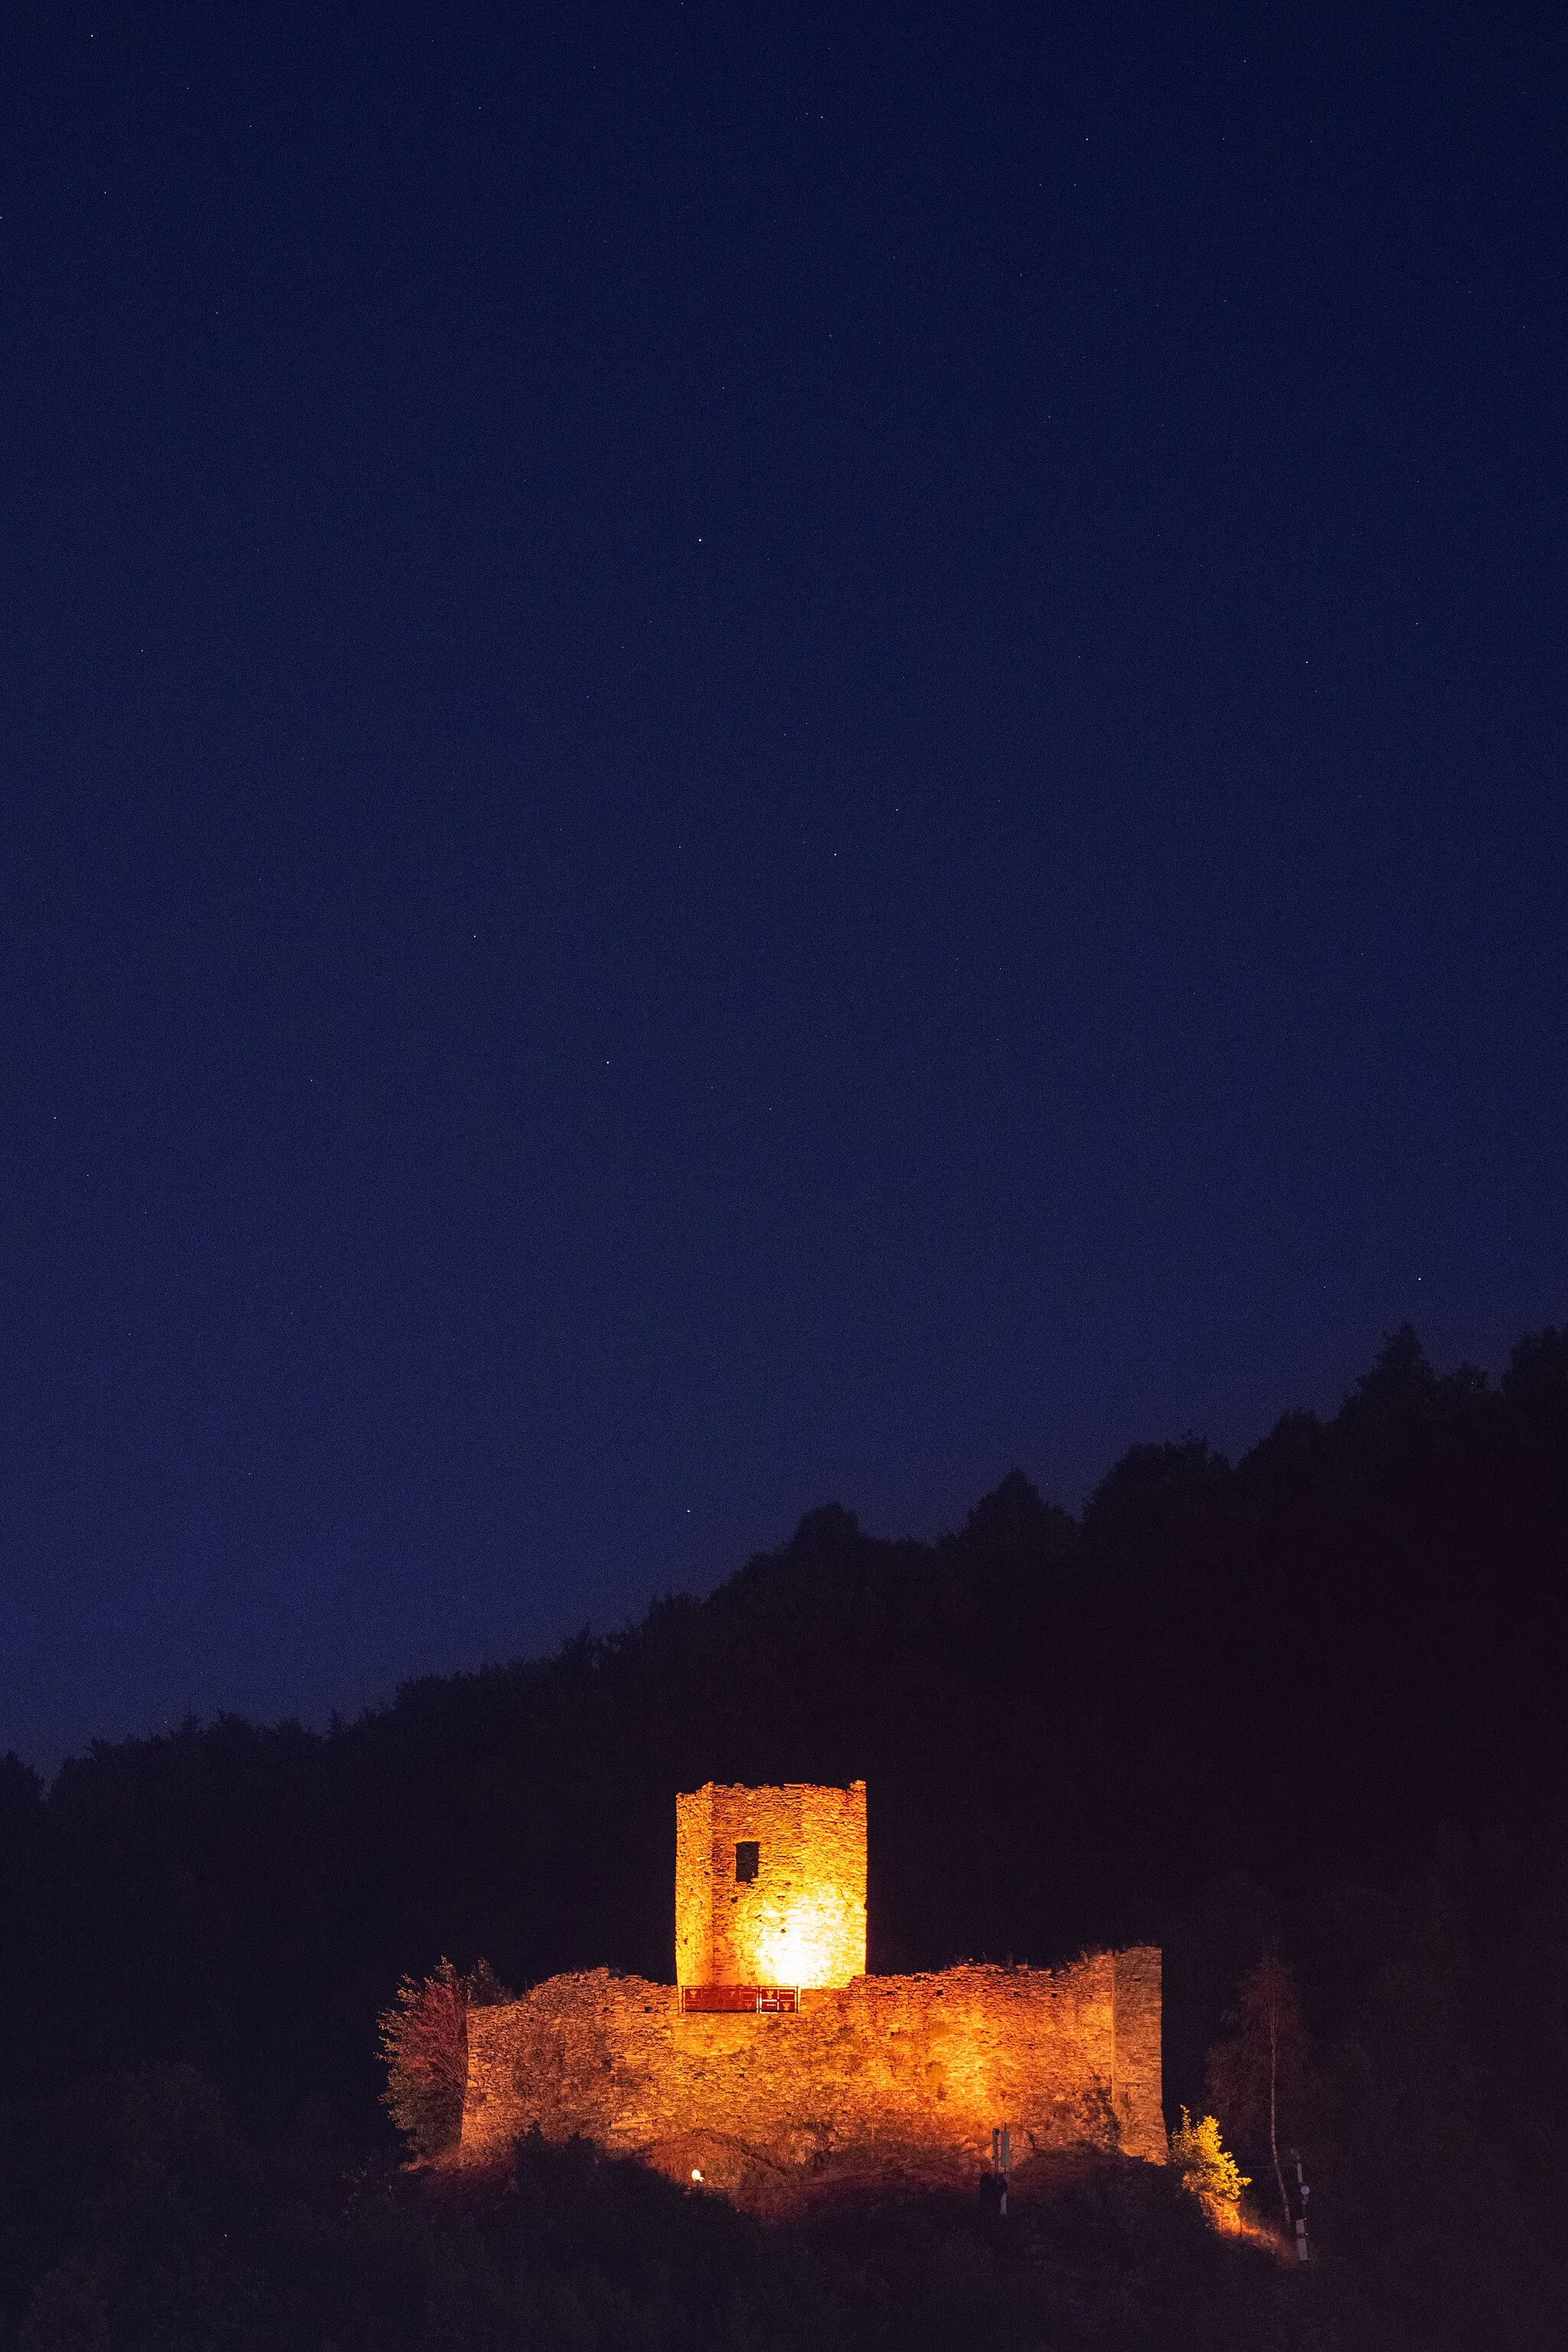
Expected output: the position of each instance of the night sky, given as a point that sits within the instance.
(752, 754)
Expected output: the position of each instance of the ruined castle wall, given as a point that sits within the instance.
(802, 1919)
(694, 1887)
(932, 2061)
(1137, 2060)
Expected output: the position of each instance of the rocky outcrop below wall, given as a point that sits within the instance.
(909, 2064)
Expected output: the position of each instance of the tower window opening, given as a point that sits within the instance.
(748, 1856)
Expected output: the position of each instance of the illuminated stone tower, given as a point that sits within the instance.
(770, 1887)
(776, 2052)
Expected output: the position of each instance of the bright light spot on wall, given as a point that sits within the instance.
(813, 1944)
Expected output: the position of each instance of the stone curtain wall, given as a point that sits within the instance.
(893, 2064)
(802, 1920)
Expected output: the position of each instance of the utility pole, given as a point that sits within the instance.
(1303, 2192)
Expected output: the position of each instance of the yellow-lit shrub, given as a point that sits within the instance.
(1206, 2168)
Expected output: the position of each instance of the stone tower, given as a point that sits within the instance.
(770, 1887)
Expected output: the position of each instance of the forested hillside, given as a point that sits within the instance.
(1309, 1703)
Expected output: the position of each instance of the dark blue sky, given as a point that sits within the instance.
(751, 754)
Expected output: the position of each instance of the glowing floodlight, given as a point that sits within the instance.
(809, 1945)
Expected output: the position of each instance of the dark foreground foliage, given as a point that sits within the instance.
(1307, 1706)
(193, 2236)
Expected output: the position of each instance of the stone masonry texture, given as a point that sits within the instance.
(801, 1920)
(868, 2071)
(928, 2063)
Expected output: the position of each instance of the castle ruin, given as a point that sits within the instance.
(774, 2060)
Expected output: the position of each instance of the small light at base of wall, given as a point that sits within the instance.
(694, 2174)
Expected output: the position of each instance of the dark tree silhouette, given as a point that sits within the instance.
(1226, 1705)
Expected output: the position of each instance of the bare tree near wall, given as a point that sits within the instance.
(1273, 2002)
(1258, 2076)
